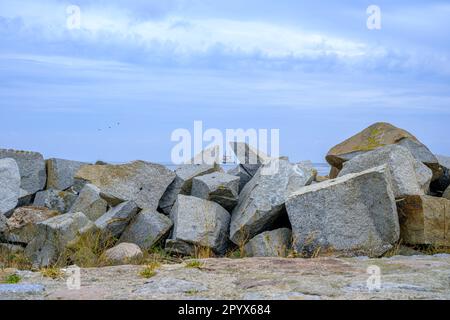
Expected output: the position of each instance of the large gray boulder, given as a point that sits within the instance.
(31, 167)
(61, 173)
(218, 187)
(261, 202)
(114, 222)
(201, 223)
(440, 185)
(353, 215)
(123, 253)
(10, 185)
(408, 175)
(22, 225)
(140, 181)
(182, 184)
(147, 229)
(60, 201)
(90, 203)
(275, 243)
(54, 235)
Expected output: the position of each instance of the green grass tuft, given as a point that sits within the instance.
(13, 279)
(194, 264)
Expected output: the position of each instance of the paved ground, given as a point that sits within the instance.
(417, 277)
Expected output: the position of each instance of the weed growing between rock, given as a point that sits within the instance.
(87, 252)
(12, 279)
(194, 264)
(150, 270)
(395, 250)
(201, 252)
(235, 254)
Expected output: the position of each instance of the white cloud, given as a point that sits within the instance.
(183, 35)
(112, 32)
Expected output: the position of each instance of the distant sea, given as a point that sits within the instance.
(323, 169)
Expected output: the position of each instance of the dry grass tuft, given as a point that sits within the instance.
(15, 260)
(150, 270)
(87, 252)
(432, 249)
(394, 251)
(203, 252)
(52, 272)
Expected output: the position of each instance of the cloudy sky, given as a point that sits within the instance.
(115, 88)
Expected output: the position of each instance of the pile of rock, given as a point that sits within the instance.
(46, 206)
(418, 179)
(384, 186)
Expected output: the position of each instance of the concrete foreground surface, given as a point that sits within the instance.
(401, 277)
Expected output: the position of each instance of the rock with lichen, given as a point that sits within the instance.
(376, 136)
(139, 181)
(22, 225)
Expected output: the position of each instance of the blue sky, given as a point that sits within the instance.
(116, 88)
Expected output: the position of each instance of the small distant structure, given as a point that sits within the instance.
(212, 155)
(228, 159)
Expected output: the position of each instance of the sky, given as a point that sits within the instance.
(115, 86)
